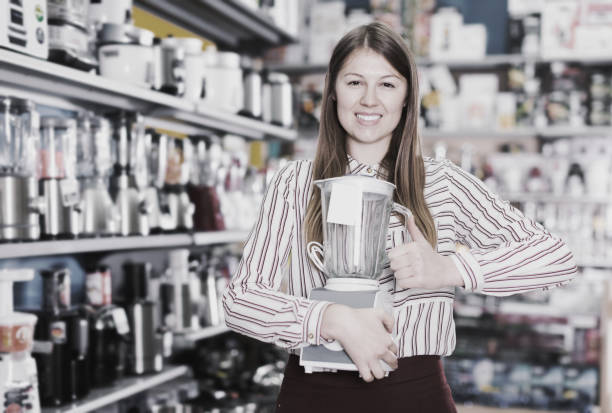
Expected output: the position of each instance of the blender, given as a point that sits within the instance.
(355, 212)
(130, 175)
(94, 164)
(18, 378)
(180, 160)
(20, 205)
(157, 160)
(58, 184)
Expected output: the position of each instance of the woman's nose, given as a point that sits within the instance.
(369, 96)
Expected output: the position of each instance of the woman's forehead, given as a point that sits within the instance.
(367, 62)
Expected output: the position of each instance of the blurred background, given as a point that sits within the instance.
(137, 138)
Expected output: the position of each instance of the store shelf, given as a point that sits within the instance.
(189, 339)
(547, 310)
(57, 85)
(555, 199)
(120, 390)
(228, 23)
(545, 132)
(219, 237)
(82, 245)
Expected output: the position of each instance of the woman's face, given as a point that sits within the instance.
(370, 96)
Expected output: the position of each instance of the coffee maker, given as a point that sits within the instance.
(180, 160)
(108, 329)
(94, 165)
(129, 178)
(156, 150)
(146, 345)
(355, 214)
(58, 184)
(62, 337)
(18, 376)
(20, 205)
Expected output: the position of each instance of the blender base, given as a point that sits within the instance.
(331, 356)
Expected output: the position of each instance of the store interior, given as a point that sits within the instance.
(137, 139)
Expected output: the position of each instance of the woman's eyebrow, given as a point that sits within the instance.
(360, 75)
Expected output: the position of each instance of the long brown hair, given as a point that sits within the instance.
(403, 159)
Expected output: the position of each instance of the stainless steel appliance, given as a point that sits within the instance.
(278, 100)
(252, 91)
(69, 35)
(130, 174)
(100, 216)
(145, 349)
(156, 148)
(178, 312)
(58, 184)
(172, 66)
(180, 160)
(355, 213)
(23, 27)
(18, 374)
(20, 205)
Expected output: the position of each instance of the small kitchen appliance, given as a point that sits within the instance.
(156, 148)
(58, 184)
(18, 376)
(180, 161)
(355, 214)
(23, 27)
(20, 205)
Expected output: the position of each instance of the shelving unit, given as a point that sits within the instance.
(120, 390)
(190, 338)
(229, 23)
(76, 246)
(547, 132)
(64, 87)
(557, 199)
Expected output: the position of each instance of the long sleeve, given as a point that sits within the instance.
(253, 305)
(506, 252)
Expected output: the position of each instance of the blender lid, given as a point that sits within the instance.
(365, 183)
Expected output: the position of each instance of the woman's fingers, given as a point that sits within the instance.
(377, 369)
(391, 359)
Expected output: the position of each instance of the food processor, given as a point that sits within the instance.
(20, 205)
(355, 212)
(18, 377)
(94, 164)
(58, 184)
(129, 179)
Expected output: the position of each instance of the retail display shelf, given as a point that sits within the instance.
(490, 61)
(219, 237)
(188, 339)
(82, 245)
(547, 310)
(467, 408)
(120, 390)
(594, 263)
(229, 23)
(57, 85)
(555, 199)
(546, 132)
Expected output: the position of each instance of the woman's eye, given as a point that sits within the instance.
(389, 85)
(354, 83)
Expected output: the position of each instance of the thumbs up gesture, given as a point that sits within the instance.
(417, 265)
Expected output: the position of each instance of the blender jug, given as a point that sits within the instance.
(355, 212)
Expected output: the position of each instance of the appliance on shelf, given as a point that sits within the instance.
(109, 11)
(23, 27)
(171, 71)
(18, 376)
(58, 184)
(180, 159)
(252, 89)
(99, 216)
(62, 342)
(108, 329)
(156, 148)
(223, 80)
(69, 35)
(355, 213)
(20, 205)
(178, 312)
(130, 174)
(277, 100)
(146, 345)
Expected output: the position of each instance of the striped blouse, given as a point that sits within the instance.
(501, 253)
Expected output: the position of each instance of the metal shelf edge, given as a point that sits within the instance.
(219, 237)
(188, 339)
(122, 389)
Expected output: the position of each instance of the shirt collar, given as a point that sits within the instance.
(357, 168)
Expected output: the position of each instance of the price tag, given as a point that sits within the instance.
(69, 192)
(345, 205)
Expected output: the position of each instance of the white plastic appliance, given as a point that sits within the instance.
(23, 27)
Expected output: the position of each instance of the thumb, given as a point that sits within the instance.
(414, 231)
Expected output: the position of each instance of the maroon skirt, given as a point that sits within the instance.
(417, 386)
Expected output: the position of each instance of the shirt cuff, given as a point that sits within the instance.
(312, 322)
(469, 269)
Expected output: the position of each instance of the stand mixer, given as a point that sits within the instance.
(355, 214)
(18, 374)
(20, 205)
(94, 165)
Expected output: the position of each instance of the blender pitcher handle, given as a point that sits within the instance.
(406, 213)
(315, 252)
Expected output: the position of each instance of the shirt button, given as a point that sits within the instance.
(369, 170)
(311, 336)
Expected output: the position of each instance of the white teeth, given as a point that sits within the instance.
(368, 117)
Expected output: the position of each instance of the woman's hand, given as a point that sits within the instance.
(417, 265)
(365, 335)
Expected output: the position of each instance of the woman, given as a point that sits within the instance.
(369, 127)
